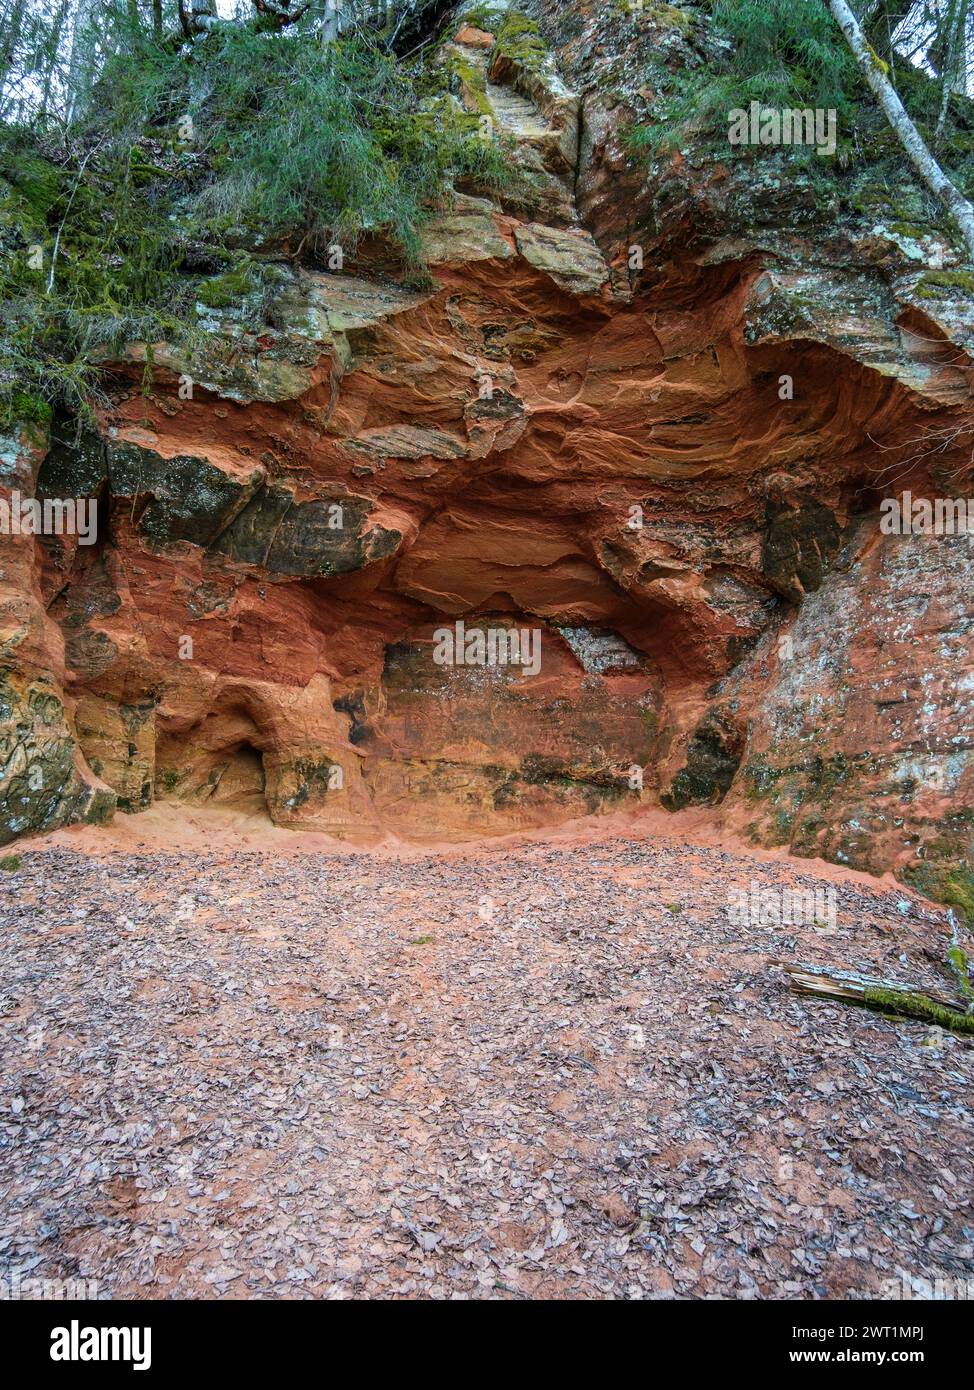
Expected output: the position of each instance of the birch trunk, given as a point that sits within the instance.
(910, 138)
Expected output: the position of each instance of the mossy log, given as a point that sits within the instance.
(901, 1000)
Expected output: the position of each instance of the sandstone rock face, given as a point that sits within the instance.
(860, 714)
(44, 779)
(549, 537)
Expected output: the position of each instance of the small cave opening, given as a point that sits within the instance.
(240, 785)
(217, 764)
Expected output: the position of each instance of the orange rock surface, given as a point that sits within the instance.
(670, 474)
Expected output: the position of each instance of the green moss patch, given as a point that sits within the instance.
(713, 757)
(519, 39)
(934, 283)
(907, 1005)
(949, 884)
(224, 290)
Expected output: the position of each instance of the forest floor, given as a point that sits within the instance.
(541, 1071)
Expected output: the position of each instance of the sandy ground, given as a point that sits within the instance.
(171, 826)
(547, 1069)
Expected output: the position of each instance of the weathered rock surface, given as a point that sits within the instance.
(670, 474)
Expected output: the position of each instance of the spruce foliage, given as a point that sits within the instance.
(218, 158)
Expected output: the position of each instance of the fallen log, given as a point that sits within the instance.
(904, 1001)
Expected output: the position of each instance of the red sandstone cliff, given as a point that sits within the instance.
(668, 464)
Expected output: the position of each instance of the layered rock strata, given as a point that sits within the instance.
(627, 425)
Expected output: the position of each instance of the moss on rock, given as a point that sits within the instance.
(519, 40)
(713, 757)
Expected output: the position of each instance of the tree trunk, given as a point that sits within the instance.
(81, 60)
(331, 22)
(13, 23)
(955, 33)
(846, 986)
(53, 58)
(910, 138)
(881, 21)
(204, 17)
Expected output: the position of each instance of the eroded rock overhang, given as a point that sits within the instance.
(667, 479)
